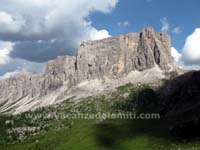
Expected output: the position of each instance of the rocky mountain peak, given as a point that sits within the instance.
(99, 65)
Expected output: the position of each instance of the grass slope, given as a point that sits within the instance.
(53, 133)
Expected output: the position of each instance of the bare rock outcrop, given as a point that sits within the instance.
(111, 62)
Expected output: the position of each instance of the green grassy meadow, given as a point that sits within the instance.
(51, 133)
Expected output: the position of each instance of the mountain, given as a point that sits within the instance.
(129, 74)
(99, 66)
(181, 101)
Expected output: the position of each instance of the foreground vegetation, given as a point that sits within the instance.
(45, 129)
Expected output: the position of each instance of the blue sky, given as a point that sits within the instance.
(184, 14)
(32, 32)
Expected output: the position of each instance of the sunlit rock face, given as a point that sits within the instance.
(117, 56)
(108, 62)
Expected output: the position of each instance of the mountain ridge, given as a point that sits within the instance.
(100, 65)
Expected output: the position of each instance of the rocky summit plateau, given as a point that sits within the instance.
(99, 66)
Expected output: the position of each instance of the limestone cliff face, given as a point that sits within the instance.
(114, 57)
(110, 59)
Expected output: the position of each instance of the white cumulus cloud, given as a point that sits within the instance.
(45, 19)
(176, 55)
(8, 23)
(5, 49)
(191, 50)
(95, 34)
(189, 58)
(44, 29)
